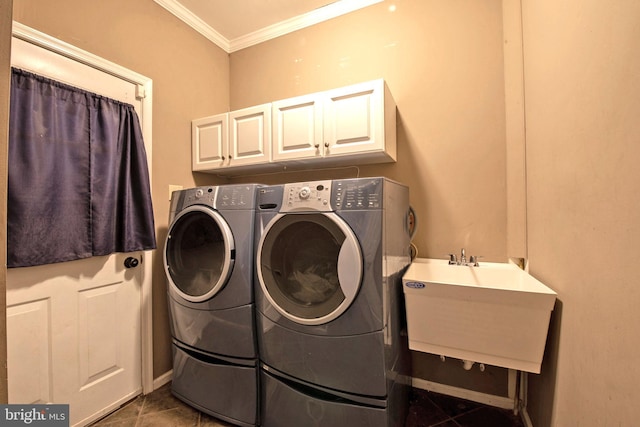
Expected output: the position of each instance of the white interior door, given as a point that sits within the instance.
(74, 328)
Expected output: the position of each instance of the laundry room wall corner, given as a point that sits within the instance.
(5, 78)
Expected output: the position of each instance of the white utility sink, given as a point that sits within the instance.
(495, 313)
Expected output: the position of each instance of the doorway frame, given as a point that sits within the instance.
(144, 92)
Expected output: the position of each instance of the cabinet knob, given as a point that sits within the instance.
(326, 144)
(223, 158)
(317, 145)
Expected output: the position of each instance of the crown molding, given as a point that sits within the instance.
(333, 10)
(316, 16)
(195, 22)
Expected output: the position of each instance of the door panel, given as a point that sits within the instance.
(98, 344)
(28, 333)
(76, 325)
(86, 314)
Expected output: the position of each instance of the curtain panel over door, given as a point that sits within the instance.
(78, 175)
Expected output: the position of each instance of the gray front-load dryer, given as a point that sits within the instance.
(329, 308)
(209, 263)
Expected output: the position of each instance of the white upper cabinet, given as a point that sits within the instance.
(346, 126)
(238, 138)
(357, 122)
(250, 136)
(209, 142)
(297, 128)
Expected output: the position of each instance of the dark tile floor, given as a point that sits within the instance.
(162, 409)
(429, 409)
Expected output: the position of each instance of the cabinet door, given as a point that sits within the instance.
(354, 119)
(250, 135)
(297, 128)
(209, 142)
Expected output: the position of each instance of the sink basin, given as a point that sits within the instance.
(495, 313)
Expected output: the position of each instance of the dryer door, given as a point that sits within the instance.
(309, 266)
(199, 253)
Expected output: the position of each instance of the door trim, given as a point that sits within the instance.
(144, 93)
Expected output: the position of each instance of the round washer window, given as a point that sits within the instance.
(301, 259)
(199, 253)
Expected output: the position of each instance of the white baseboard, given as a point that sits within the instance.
(475, 396)
(162, 379)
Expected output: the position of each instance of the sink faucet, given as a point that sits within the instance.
(473, 261)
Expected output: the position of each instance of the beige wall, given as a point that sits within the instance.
(443, 63)
(5, 49)
(190, 79)
(582, 90)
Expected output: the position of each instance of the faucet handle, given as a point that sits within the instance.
(452, 259)
(474, 260)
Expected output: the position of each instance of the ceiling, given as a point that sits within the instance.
(236, 24)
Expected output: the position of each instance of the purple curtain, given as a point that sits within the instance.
(78, 176)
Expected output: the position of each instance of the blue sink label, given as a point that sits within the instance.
(415, 285)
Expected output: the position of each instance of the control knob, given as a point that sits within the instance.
(304, 193)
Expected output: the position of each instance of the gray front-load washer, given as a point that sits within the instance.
(329, 302)
(209, 263)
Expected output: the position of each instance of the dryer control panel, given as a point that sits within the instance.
(307, 196)
(357, 194)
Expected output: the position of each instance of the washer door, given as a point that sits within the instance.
(309, 266)
(199, 253)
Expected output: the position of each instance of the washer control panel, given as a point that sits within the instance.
(197, 196)
(226, 197)
(306, 196)
(235, 197)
